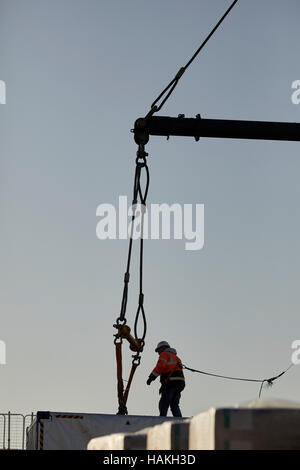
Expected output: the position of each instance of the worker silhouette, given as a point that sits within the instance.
(170, 369)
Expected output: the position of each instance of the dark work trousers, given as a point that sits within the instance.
(170, 397)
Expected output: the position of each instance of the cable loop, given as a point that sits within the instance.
(140, 310)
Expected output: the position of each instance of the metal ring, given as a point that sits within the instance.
(119, 320)
(136, 360)
(141, 164)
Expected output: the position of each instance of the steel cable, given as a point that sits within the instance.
(173, 83)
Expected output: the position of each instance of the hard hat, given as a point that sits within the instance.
(161, 344)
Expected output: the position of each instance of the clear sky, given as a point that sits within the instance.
(78, 73)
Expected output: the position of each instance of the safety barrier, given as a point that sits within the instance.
(13, 430)
(170, 435)
(261, 425)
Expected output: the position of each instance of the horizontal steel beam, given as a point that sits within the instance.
(219, 128)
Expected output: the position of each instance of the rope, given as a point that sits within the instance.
(173, 83)
(261, 381)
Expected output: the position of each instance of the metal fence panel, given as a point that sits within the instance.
(2, 430)
(13, 430)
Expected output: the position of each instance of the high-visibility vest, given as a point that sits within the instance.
(169, 366)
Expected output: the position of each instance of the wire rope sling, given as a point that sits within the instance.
(123, 330)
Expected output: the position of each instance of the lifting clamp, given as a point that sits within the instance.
(136, 344)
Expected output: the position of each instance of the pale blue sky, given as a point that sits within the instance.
(78, 73)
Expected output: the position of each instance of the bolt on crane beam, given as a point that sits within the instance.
(216, 128)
